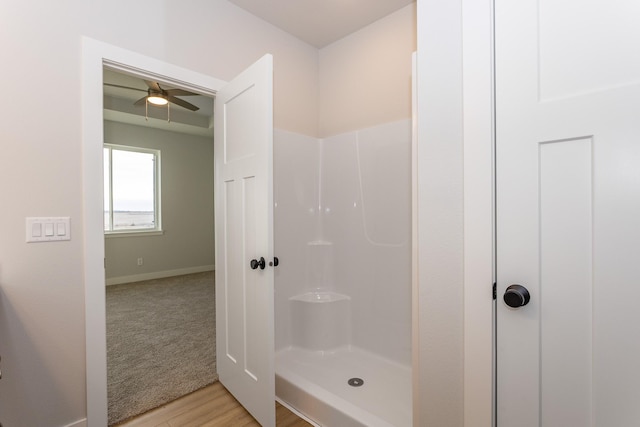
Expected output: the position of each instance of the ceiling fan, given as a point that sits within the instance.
(158, 96)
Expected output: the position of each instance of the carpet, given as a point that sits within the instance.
(160, 342)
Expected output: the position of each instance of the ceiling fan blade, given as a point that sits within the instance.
(124, 87)
(141, 101)
(153, 85)
(182, 103)
(179, 92)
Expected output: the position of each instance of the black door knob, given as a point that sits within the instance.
(516, 296)
(255, 263)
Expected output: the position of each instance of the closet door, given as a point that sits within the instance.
(568, 212)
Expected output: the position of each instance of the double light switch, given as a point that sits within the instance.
(46, 229)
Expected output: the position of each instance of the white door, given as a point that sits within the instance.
(568, 212)
(244, 232)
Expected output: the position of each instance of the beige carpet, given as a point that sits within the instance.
(160, 342)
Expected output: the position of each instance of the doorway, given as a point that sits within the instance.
(159, 244)
(244, 155)
(97, 55)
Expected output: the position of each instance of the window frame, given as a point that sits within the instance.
(157, 229)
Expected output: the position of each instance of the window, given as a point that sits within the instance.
(131, 189)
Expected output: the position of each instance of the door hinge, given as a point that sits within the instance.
(495, 290)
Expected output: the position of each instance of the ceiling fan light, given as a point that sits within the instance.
(157, 100)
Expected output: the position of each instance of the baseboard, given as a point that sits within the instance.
(79, 423)
(158, 274)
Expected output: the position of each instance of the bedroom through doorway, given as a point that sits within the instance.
(159, 243)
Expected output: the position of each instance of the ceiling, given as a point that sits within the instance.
(321, 22)
(119, 107)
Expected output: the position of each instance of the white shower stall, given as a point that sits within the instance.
(343, 286)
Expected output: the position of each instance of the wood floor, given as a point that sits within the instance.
(210, 406)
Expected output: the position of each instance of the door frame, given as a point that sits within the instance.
(478, 81)
(453, 344)
(95, 56)
(479, 211)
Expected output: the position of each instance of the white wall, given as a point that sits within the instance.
(186, 186)
(365, 78)
(41, 285)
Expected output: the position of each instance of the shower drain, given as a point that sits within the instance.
(355, 382)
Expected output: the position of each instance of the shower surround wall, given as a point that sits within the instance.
(366, 214)
(342, 227)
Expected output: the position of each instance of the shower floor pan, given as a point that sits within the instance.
(315, 384)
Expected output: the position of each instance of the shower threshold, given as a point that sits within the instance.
(316, 384)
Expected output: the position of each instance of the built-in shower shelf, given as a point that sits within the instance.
(320, 297)
(320, 243)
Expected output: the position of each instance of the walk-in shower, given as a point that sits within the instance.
(343, 288)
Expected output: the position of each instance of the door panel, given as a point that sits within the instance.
(566, 281)
(568, 209)
(244, 231)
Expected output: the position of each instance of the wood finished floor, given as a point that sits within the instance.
(210, 406)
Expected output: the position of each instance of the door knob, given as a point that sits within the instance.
(255, 263)
(516, 296)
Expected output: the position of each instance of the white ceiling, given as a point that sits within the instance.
(321, 22)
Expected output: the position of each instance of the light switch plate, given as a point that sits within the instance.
(48, 229)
